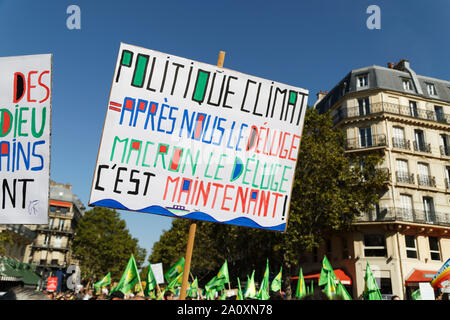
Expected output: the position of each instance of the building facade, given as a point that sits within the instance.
(51, 249)
(406, 118)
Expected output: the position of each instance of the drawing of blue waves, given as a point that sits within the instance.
(196, 215)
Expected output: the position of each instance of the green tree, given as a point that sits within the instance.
(103, 244)
(5, 237)
(330, 190)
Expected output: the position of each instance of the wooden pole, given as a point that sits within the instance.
(193, 227)
(187, 262)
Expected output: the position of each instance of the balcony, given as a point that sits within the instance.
(392, 108)
(49, 246)
(426, 180)
(53, 229)
(404, 177)
(378, 140)
(401, 143)
(422, 147)
(406, 215)
(445, 151)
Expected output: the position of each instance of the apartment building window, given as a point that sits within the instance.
(445, 144)
(431, 89)
(365, 137)
(61, 224)
(410, 244)
(423, 176)
(363, 81)
(434, 248)
(428, 209)
(364, 106)
(447, 177)
(439, 112)
(419, 143)
(402, 171)
(46, 240)
(413, 109)
(407, 85)
(51, 221)
(398, 138)
(374, 245)
(406, 207)
(54, 262)
(57, 242)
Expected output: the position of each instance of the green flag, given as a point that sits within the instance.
(276, 282)
(217, 282)
(250, 289)
(239, 295)
(130, 277)
(223, 296)
(175, 283)
(151, 282)
(341, 291)
(330, 287)
(263, 293)
(301, 287)
(371, 291)
(193, 290)
(416, 295)
(210, 294)
(311, 290)
(327, 269)
(174, 271)
(103, 283)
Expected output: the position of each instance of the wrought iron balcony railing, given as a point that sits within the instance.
(426, 180)
(422, 147)
(388, 214)
(401, 143)
(392, 108)
(378, 140)
(404, 177)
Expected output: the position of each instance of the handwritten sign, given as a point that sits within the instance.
(188, 139)
(25, 112)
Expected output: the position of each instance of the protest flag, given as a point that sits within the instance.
(130, 277)
(151, 282)
(239, 295)
(217, 282)
(174, 271)
(301, 288)
(442, 278)
(341, 291)
(250, 289)
(103, 283)
(193, 290)
(371, 291)
(276, 282)
(263, 293)
(327, 269)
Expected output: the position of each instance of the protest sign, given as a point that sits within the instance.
(188, 139)
(25, 112)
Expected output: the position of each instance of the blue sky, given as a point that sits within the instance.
(310, 44)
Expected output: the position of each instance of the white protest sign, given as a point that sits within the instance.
(188, 139)
(426, 291)
(25, 113)
(157, 269)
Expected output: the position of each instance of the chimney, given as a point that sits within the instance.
(390, 65)
(402, 65)
(321, 95)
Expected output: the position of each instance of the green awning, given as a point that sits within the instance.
(18, 271)
(8, 273)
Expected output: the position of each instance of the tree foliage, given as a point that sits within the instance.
(103, 244)
(330, 189)
(5, 238)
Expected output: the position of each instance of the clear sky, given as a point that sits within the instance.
(310, 44)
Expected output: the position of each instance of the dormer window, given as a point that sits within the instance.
(407, 85)
(431, 89)
(362, 81)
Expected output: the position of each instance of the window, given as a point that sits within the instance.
(402, 171)
(398, 138)
(413, 109)
(385, 285)
(447, 177)
(55, 209)
(445, 144)
(410, 244)
(54, 262)
(439, 112)
(364, 106)
(46, 240)
(365, 137)
(428, 209)
(434, 248)
(57, 242)
(423, 175)
(407, 85)
(419, 143)
(406, 207)
(61, 224)
(363, 81)
(51, 221)
(374, 245)
(431, 89)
